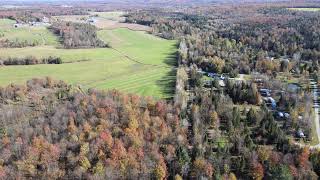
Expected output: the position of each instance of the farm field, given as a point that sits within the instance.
(139, 45)
(114, 15)
(104, 20)
(67, 55)
(139, 63)
(39, 35)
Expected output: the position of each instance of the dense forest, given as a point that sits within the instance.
(244, 38)
(51, 130)
(54, 130)
(77, 35)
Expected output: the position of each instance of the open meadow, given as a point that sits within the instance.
(137, 63)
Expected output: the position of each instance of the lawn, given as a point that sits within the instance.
(150, 73)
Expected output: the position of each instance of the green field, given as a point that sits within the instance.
(305, 9)
(5, 23)
(115, 15)
(140, 63)
(67, 55)
(140, 45)
(26, 33)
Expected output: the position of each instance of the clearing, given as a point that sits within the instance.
(26, 33)
(137, 63)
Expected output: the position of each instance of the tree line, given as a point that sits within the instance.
(30, 60)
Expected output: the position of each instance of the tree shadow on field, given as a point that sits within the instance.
(168, 82)
(172, 58)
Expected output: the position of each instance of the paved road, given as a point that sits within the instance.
(316, 106)
(316, 110)
(240, 78)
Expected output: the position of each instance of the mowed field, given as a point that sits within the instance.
(137, 63)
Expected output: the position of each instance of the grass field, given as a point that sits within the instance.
(114, 15)
(150, 74)
(26, 33)
(6, 23)
(67, 55)
(105, 20)
(140, 45)
(305, 9)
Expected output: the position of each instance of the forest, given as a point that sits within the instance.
(230, 125)
(57, 131)
(77, 35)
(54, 130)
(243, 38)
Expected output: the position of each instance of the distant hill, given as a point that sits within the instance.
(143, 2)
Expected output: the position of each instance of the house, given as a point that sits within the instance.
(33, 23)
(221, 83)
(201, 72)
(213, 75)
(270, 101)
(222, 77)
(300, 134)
(273, 103)
(280, 115)
(207, 84)
(91, 20)
(265, 92)
(287, 115)
(45, 19)
(270, 58)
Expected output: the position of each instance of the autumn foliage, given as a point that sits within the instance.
(96, 134)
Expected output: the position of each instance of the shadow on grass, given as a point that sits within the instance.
(172, 58)
(168, 82)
